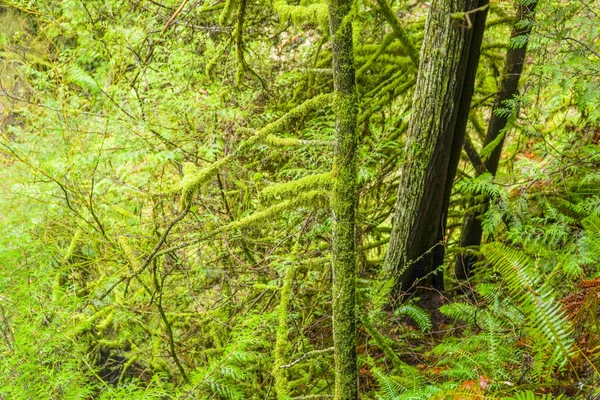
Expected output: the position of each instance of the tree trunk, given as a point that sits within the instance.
(417, 226)
(343, 201)
(515, 57)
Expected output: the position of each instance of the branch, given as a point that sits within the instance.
(474, 156)
(399, 30)
(306, 355)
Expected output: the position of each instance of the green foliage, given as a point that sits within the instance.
(529, 395)
(117, 116)
(546, 322)
(419, 315)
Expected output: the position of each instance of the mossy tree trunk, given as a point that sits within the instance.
(344, 201)
(513, 66)
(448, 61)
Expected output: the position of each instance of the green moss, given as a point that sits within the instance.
(73, 245)
(383, 344)
(343, 202)
(302, 14)
(276, 141)
(281, 340)
(297, 187)
(132, 259)
(399, 31)
(312, 199)
(387, 40)
(226, 12)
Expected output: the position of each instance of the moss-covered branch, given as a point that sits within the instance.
(400, 32)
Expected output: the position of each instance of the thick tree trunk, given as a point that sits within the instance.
(417, 227)
(515, 57)
(344, 202)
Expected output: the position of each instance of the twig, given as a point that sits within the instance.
(305, 355)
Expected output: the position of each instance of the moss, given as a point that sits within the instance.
(276, 141)
(386, 95)
(212, 63)
(106, 322)
(73, 245)
(302, 14)
(434, 128)
(383, 344)
(297, 187)
(312, 199)
(132, 259)
(194, 179)
(343, 201)
(238, 34)
(387, 40)
(281, 339)
(399, 31)
(87, 323)
(226, 12)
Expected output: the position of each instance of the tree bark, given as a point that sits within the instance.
(343, 202)
(513, 67)
(444, 84)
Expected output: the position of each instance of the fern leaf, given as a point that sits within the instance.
(547, 322)
(590, 243)
(419, 315)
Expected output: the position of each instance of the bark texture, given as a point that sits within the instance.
(513, 67)
(344, 201)
(417, 226)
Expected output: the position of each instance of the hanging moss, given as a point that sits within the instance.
(71, 249)
(132, 259)
(299, 15)
(312, 199)
(276, 141)
(399, 31)
(387, 40)
(281, 337)
(226, 12)
(298, 186)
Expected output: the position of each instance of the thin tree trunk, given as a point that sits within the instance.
(418, 217)
(343, 201)
(515, 58)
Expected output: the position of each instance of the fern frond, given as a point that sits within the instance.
(418, 314)
(547, 323)
(529, 395)
(590, 242)
(81, 78)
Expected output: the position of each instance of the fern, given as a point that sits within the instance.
(529, 395)
(403, 388)
(589, 244)
(419, 315)
(547, 324)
